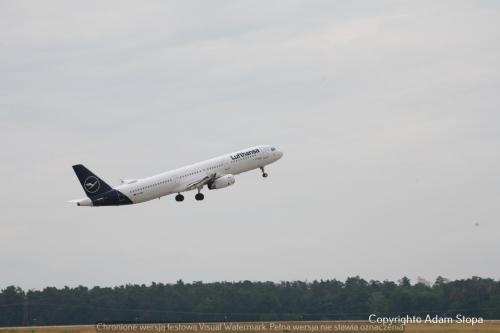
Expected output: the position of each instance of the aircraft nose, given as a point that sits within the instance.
(280, 154)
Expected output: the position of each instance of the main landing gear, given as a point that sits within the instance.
(264, 174)
(199, 196)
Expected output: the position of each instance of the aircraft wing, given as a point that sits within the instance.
(202, 182)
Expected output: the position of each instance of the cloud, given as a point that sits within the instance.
(387, 115)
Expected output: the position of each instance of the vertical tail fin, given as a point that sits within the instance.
(92, 185)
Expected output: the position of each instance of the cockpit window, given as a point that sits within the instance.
(273, 149)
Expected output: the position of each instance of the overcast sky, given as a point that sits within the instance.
(387, 113)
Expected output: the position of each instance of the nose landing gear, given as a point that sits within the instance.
(264, 174)
(179, 197)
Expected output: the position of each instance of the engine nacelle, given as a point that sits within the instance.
(221, 182)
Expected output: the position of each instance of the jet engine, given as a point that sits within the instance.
(221, 182)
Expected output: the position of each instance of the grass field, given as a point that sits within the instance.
(487, 327)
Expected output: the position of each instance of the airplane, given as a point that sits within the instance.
(215, 173)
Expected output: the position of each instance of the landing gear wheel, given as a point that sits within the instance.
(179, 197)
(265, 175)
(199, 196)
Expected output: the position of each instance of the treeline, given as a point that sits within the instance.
(355, 298)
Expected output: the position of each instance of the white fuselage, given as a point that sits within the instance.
(179, 180)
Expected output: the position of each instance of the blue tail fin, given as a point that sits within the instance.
(92, 185)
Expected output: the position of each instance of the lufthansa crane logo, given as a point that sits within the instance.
(91, 184)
